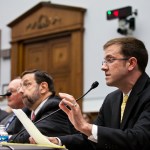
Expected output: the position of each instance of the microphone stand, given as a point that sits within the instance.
(93, 86)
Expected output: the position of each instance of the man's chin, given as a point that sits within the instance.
(25, 100)
(109, 84)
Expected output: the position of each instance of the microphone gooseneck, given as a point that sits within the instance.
(6, 94)
(93, 86)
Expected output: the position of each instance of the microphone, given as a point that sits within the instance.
(6, 94)
(93, 86)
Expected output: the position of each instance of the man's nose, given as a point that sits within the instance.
(20, 90)
(104, 67)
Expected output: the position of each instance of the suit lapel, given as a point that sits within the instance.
(129, 108)
(115, 121)
(42, 110)
(134, 98)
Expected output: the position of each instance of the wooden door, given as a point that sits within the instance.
(50, 37)
(55, 56)
(35, 55)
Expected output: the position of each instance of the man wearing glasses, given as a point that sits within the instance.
(38, 95)
(122, 123)
(14, 102)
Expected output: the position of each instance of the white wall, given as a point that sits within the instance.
(97, 31)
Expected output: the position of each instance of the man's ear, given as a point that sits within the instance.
(132, 63)
(43, 87)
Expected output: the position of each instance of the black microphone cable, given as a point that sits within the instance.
(93, 86)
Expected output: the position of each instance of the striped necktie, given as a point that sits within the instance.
(123, 105)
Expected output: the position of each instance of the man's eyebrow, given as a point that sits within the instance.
(109, 56)
(26, 80)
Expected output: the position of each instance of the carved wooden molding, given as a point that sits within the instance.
(43, 22)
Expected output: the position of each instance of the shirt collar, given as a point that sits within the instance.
(40, 106)
(127, 93)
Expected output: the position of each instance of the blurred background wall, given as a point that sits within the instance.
(98, 30)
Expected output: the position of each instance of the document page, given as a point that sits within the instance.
(32, 129)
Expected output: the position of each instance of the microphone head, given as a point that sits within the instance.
(8, 94)
(94, 85)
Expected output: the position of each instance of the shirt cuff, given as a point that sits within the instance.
(93, 137)
(59, 141)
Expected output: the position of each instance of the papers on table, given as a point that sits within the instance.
(32, 129)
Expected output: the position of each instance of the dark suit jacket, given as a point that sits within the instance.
(54, 125)
(134, 131)
(3, 114)
(6, 119)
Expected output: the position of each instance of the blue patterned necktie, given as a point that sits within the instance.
(9, 121)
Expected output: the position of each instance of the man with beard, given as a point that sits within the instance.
(39, 97)
(123, 121)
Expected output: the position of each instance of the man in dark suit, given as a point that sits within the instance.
(39, 97)
(125, 61)
(3, 114)
(14, 102)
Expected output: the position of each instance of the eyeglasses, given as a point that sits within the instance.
(25, 85)
(111, 60)
(13, 90)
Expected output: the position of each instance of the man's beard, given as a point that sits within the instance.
(29, 101)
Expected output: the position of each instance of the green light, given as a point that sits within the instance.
(109, 12)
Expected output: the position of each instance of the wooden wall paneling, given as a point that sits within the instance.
(16, 60)
(36, 56)
(77, 63)
(59, 54)
(50, 37)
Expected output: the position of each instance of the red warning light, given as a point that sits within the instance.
(116, 13)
